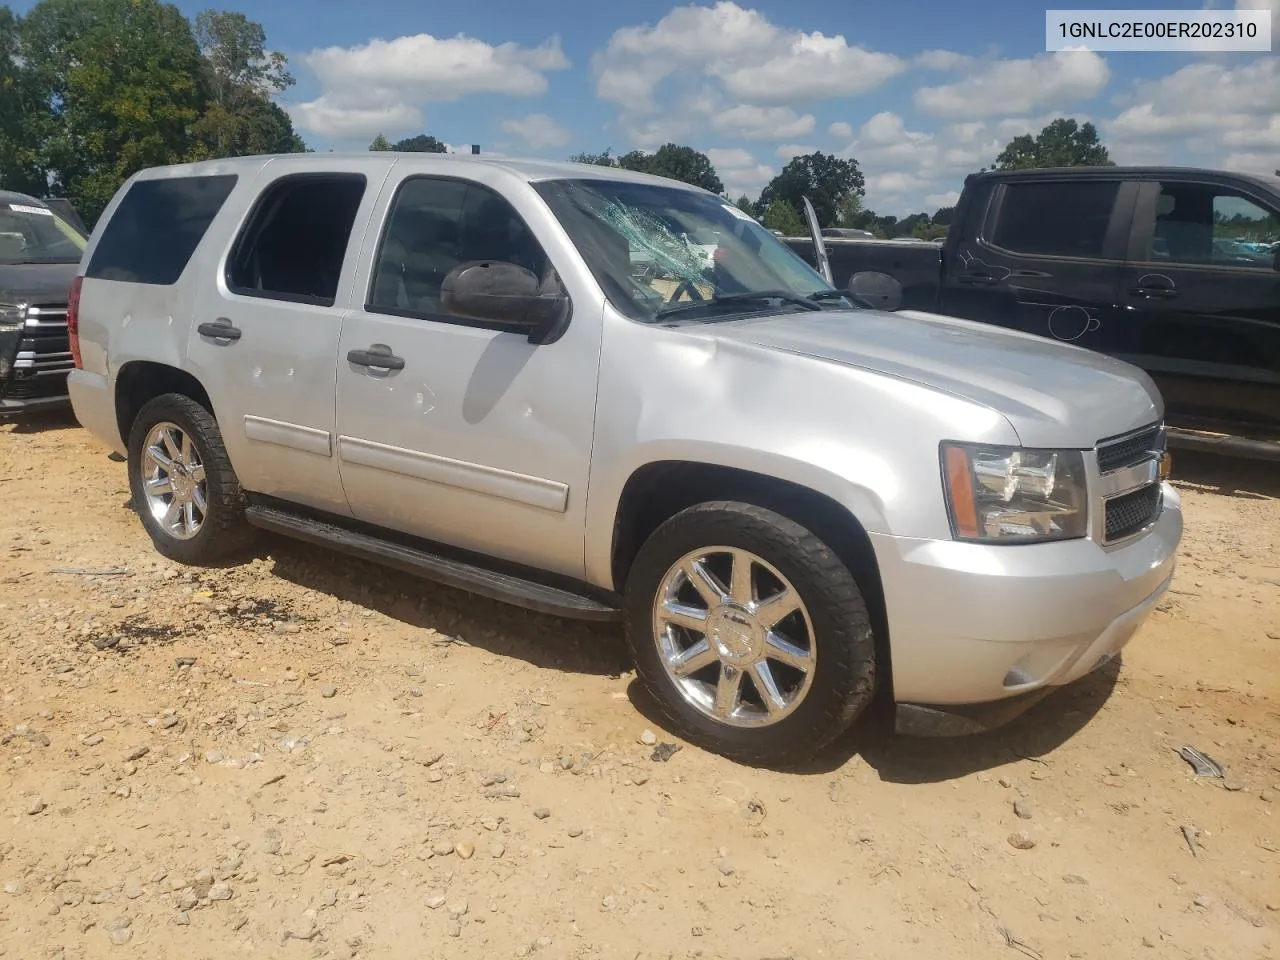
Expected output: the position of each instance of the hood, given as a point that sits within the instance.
(1054, 395)
(36, 282)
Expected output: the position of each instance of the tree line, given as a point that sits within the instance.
(836, 186)
(91, 91)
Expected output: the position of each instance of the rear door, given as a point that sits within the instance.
(1045, 258)
(1203, 297)
(264, 339)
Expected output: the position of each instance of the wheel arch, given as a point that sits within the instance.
(659, 490)
(141, 380)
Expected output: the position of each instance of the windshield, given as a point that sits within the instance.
(666, 254)
(35, 234)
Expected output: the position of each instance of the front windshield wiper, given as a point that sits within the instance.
(828, 295)
(747, 296)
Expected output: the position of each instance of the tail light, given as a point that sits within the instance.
(73, 321)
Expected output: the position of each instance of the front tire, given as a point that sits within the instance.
(750, 632)
(182, 483)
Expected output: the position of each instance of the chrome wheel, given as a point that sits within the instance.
(734, 637)
(173, 480)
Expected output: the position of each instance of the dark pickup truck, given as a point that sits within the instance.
(40, 247)
(1174, 270)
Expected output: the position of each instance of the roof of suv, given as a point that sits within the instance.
(530, 170)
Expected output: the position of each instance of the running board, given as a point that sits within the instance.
(1226, 444)
(451, 572)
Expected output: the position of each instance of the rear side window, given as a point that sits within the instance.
(296, 240)
(1063, 219)
(157, 227)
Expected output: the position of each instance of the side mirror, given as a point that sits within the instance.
(879, 291)
(504, 293)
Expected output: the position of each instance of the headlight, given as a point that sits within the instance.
(12, 319)
(1014, 495)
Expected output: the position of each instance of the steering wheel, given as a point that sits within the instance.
(686, 286)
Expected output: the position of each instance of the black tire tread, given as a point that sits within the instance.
(226, 532)
(851, 642)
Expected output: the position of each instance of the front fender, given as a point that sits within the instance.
(826, 472)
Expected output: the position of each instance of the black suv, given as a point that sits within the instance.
(39, 251)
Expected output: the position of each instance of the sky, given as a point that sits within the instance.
(919, 93)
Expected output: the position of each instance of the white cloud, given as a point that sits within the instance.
(1003, 87)
(1210, 112)
(948, 199)
(895, 182)
(1258, 163)
(789, 150)
(943, 60)
(840, 130)
(538, 130)
(1203, 98)
(739, 171)
(753, 58)
(379, 85)
(762, 123)
(1272, 5)
(327, 119)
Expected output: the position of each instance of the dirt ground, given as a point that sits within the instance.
(307, 756)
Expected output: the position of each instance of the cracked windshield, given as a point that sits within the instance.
(669, 254)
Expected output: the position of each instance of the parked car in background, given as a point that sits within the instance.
(39, 251)
(1174, 270)
(529, 380)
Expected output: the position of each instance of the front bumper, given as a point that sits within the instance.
(977, 624)
(12, 408)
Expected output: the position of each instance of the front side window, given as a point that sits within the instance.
(1055, 218)
(665, 253)
(434, 225)
(1197, 223)
(294, 244)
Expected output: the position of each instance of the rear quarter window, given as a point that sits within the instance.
(156, 228)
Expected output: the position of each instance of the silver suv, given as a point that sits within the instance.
(542, 383)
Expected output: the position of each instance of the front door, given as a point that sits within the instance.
(1203, 292)
(452, 429)
(1046, 260)
(265, 342)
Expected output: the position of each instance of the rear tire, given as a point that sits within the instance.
(699, 641)
(193, 508)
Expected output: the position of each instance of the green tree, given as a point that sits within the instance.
(676, 162)
(830, 182)
(782, 216)
(22, 117)
(241, 76)
(1062, 143)
(380, 143)
(605, 159)
(744, 204)
(121, 84)
(942, 216)
(419, 144)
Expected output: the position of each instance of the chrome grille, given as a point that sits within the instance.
(1129, 489)
(45, 349)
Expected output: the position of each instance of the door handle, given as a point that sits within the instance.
(985, 279)
(377, 359)
(220, 329)
(1154, 293)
